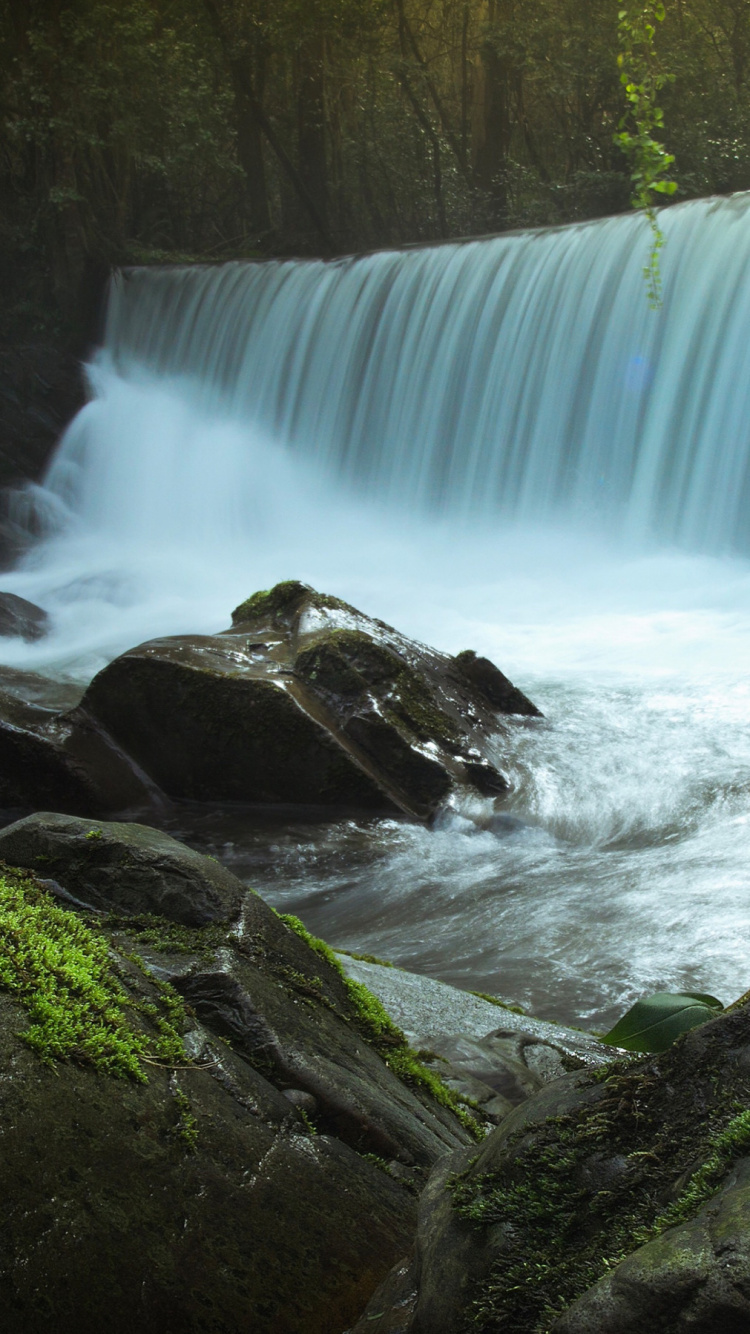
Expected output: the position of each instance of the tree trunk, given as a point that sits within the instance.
(311, 129)
(491, 121)
(250, 154)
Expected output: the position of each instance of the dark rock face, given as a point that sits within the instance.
(199, 720)
(499, 692)
(127, 868)
(41, 389)
(22, 618)
(650, 1161)
(264, 1229)
(359, 1100)
(274, 1222)
(61, 760)
(304, 700)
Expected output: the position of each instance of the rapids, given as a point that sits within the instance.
(492, 444)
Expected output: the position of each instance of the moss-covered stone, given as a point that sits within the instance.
(387, 1037)
(306, 701)
(693, 1276)
(124, 867)
(581, 1176)
(80, 1007)
(109, 1221)
(195, 1192)
(282, 602)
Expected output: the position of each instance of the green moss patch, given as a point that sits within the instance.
(62, 972)
(377, 1026)
(367, 958)
(157, 933)
(282, 601)
(502, 1005)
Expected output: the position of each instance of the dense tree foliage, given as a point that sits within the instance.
(139, 129)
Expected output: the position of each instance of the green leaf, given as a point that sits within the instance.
(653, 1024)
(704, 998)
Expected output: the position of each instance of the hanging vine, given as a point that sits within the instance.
(643, 79)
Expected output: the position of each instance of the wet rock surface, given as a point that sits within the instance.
(60, 758)
(645, 1160)
(305, 700)
(127, 868)
(284, 1213)
(21, 618)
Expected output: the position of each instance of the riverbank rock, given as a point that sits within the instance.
(262, 1181)
(646, 1160)
(21, 618)
(41, 388)
(127, 868)
(60, 758)
(305, 700)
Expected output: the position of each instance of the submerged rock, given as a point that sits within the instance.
(646, 1159)
(21, 618)
(261, 1181)
(127, 868)
(305, 700)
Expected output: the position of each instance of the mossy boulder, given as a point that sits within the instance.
(250, 1167)
(695, 1276)
(112, 1221)
(126, 868)
(306, 701)
(609, 1203)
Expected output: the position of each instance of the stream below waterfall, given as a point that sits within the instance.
(602, 566)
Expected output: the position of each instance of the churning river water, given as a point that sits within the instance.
(495, 446)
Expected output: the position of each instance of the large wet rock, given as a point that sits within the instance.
(108, 1223)
(306, 700)
(126, 868)
(296, 1198)
(644, 1160)
(55, 756)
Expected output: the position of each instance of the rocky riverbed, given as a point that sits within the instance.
(213, 1122)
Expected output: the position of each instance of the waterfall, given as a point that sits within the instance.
(522, 375)
(401, 428)
(492, 444)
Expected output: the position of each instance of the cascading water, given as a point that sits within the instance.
(492, 444)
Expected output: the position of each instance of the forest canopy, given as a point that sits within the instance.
(143, 130)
